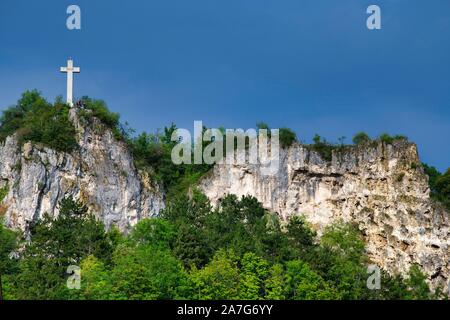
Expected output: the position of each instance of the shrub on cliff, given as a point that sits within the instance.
(36, 120)
(287, 137)
(388, 139)
(361, 138)
(439, 185)
(93, 108)
(442, 186)
(322, 147)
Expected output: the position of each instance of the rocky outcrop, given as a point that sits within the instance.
(100, 172)
(381, 187)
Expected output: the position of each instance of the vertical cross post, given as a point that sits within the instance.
(70, 70)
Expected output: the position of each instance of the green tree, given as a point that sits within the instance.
(239, 225)
(322, 147)
(145, 272)
(345, 259)
(433, 175)
(442, 186)
(57, 244)
(304, 284)
(153, 231)
(96, 281)
(287, 137)
(300, 235)
(263, 126)
(188, 217)
(361, 138)
(275, 284)
(388, 139)
(36, 120)
(253, 273)
(219, 280)
(417, 284)
(8, 243)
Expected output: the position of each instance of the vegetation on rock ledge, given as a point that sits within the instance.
(34, 119)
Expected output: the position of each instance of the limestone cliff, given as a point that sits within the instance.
(100, 172)
(381, 187)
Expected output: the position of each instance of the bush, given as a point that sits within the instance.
(388, 139)
(4, 192)
(439, 185)
(99, 110)
(442, 187)
(287, 137)
(361, 138)
(36, 120)
(152, 152)
(322, 147)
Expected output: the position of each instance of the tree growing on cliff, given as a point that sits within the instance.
(361, 138)
(34, 119)
(442, 186)
(8, 243)
(439, 184)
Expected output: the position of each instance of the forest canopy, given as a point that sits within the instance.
(237, 251)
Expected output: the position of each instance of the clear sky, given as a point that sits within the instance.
(311, 65)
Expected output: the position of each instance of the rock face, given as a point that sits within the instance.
(101, 173)
(380, 187)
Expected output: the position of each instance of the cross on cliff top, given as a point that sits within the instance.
(70, 70)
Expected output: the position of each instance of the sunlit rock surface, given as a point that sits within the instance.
(381, 187)
(101, 173)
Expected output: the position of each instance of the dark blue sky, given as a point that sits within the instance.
(311, 65)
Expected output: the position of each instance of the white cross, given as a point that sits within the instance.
(70, 70)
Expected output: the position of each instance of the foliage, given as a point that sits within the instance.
(439, 185)
(287, 137)
(433, 175)
(194, 251)
(155, 231)
(146, 272)
(152, 152)
(4, 192)
(253, 273)
(264, 126)
(99, 110)
(275, 284)
(36, 120)
(305, 284)
(388, 139)
(416, 282)
(361, 138)
(442, 186)
(92, 110)
(300, 235)
(218, 280)
(322, 147)
(8, 244)
(57, 244)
